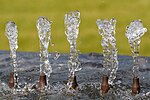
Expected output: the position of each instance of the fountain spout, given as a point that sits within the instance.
(135, 86)
(44, 32)
(12, 34)
(133, 32)
(104, 85)
(72, 21)
(107, 31)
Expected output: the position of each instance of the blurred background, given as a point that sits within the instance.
(26, 12)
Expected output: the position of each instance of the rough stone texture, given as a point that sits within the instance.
(88, 78)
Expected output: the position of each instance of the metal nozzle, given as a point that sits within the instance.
(104, 85)
(11, 80)
(74, 83)
(135, 86)
(42, 81)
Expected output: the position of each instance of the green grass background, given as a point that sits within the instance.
(26, 12)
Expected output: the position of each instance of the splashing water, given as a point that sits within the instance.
(133, 32)
(72, 21)
(44, 32)
(12, 34)
(107, 31)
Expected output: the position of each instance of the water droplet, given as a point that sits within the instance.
(57, 55)
(52, 44)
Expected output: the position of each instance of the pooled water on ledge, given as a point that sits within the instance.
(89, 78)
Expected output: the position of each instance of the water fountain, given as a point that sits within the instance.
(110, 63)
(29, 82)
(72, 21)
(12, 34)
(134, 32)
(44, 32)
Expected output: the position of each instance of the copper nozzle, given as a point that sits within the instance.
(11, 80)
(42, 81)
(74, 83)
(135, 86)
(104, 85)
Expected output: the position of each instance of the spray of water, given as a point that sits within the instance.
(134, 32)
(12, 34)
(72, 21)
(44, 32)
(107, 31)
